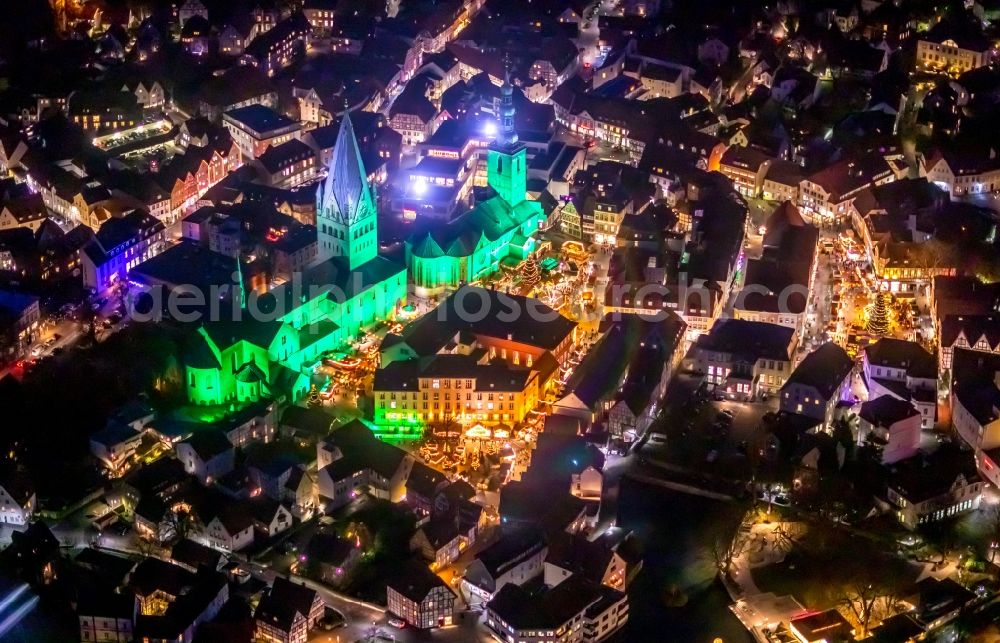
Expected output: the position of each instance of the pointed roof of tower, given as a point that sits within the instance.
(346, 183)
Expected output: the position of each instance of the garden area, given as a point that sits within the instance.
(829, 567)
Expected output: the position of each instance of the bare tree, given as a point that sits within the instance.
(726, 551)
(783, 539)
(994, 532)
(873, 594)
(860, 599)
(181, 523)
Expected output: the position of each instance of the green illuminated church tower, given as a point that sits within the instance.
(346, 220)
(347, 290)
(501, 230)
(507, 169)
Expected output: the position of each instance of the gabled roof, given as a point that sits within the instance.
(329, 549)
(902, 354)
(227, 333)
(924, 476)
(346, 185)
(747, 339)
(362, 450)
(556, 607)
(424, 480)
(315, 422)
(415, 581)
(440, 531)
(545, 329)
(208, 443)
(194, 554)
(886, 410)
(824, 369)
(154, 574)
(282, 603)
(973, 327)
(629, 356)
(510, 549)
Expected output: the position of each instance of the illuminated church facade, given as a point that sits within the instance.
(348, 289)
(502, 228)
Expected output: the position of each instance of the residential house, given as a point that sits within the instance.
(207, 455)
(604, 561)
(575, 610)
(962, 295)
(20, 316)
(270, 517)
(625, 374)
(281, 46)
(543, 501)
(352, 461)
(120, 244)
(115, 445)
(239, 86)
(975, 403)
(826, 195)
(903, 370)
(174, 602)
(412, 114)
(439, 541)
(778, 285)
(422, 487)
(587, 484)
(287, 612)
(819, 384)
(18, 499)
(231, 528)
(973, 332)
(746, 167)
(961, 171)
(287, 165)
(743, 359)
(781, 181)
(929, 488)
(892, 425)
(895, 222)
(420, 597)
(335, 557)
(26, 211)
(517, 557)
(106, 616)
(255, 128)
(300, 493)
(195, 555)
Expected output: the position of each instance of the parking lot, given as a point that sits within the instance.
(707, 435)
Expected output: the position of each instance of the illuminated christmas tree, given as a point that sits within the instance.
(878, 315)
(530, 273)
(313, 399)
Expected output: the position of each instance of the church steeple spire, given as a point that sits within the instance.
(345, 204)
(346, 184)
(506, 163)
(508, 135)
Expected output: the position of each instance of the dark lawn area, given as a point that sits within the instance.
(391, 527)
(676, 596)
(823, 568)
